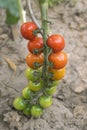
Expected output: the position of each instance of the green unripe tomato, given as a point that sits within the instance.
(26, 93)
(27, 110)
(34, 86)
(52, 87)
(55, 83)
(45, 101)
(36, 111)
(19, 103)
(32, 74)
(51, 90)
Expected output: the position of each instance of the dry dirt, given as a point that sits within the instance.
(69, 109)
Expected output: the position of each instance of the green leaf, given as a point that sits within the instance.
(10, 19)
(12, 10)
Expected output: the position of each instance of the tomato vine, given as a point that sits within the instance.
(46, 64)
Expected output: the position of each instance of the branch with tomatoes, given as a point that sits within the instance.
(46, 62)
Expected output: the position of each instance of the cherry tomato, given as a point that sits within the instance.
(58, 59)
(27, 110)
(37, 44)
(26, 93)
(19, 103)
(36, 111)
(32, 74)
(58, 74)
(31, 59)
(27, 30)
(35, 86)
(51, 89)
(45, 101)
(56, 42)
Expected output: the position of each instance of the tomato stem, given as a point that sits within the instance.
(44, 18)
(28, 2)
(21, 11)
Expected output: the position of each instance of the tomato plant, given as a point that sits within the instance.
(45, 101)
(19, 103)
(36, 111)
(27, 30)
(34, 61)
(59, 59)
(35, 46)
(46, 62)
(56, 42)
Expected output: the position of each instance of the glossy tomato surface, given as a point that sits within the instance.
(27, 30)
(31, 59)
(59, 59)
(36, 44)
(56, 42)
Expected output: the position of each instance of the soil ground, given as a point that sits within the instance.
(69, 109)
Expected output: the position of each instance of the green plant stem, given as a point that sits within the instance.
(44, 17)
(22, 17)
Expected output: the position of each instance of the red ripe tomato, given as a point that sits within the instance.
(56, 42)
(36, 43)
(27, 30)
(58, 59)
(31, 59)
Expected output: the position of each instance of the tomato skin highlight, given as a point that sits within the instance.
(31, 59)
(37, 43)
(45, 101)
(27, 30)
(56, 42)
(36, 111)
(19, 103)
(35, 86)
(58, 59)
(58, 74)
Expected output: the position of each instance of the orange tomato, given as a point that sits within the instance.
(31, 59)
(58, 74)
(37, 44)
(58, 59)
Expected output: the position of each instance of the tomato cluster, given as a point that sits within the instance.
(35, 96)
(57, 57)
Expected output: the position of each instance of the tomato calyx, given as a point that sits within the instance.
(37, 51)
(37, 65)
